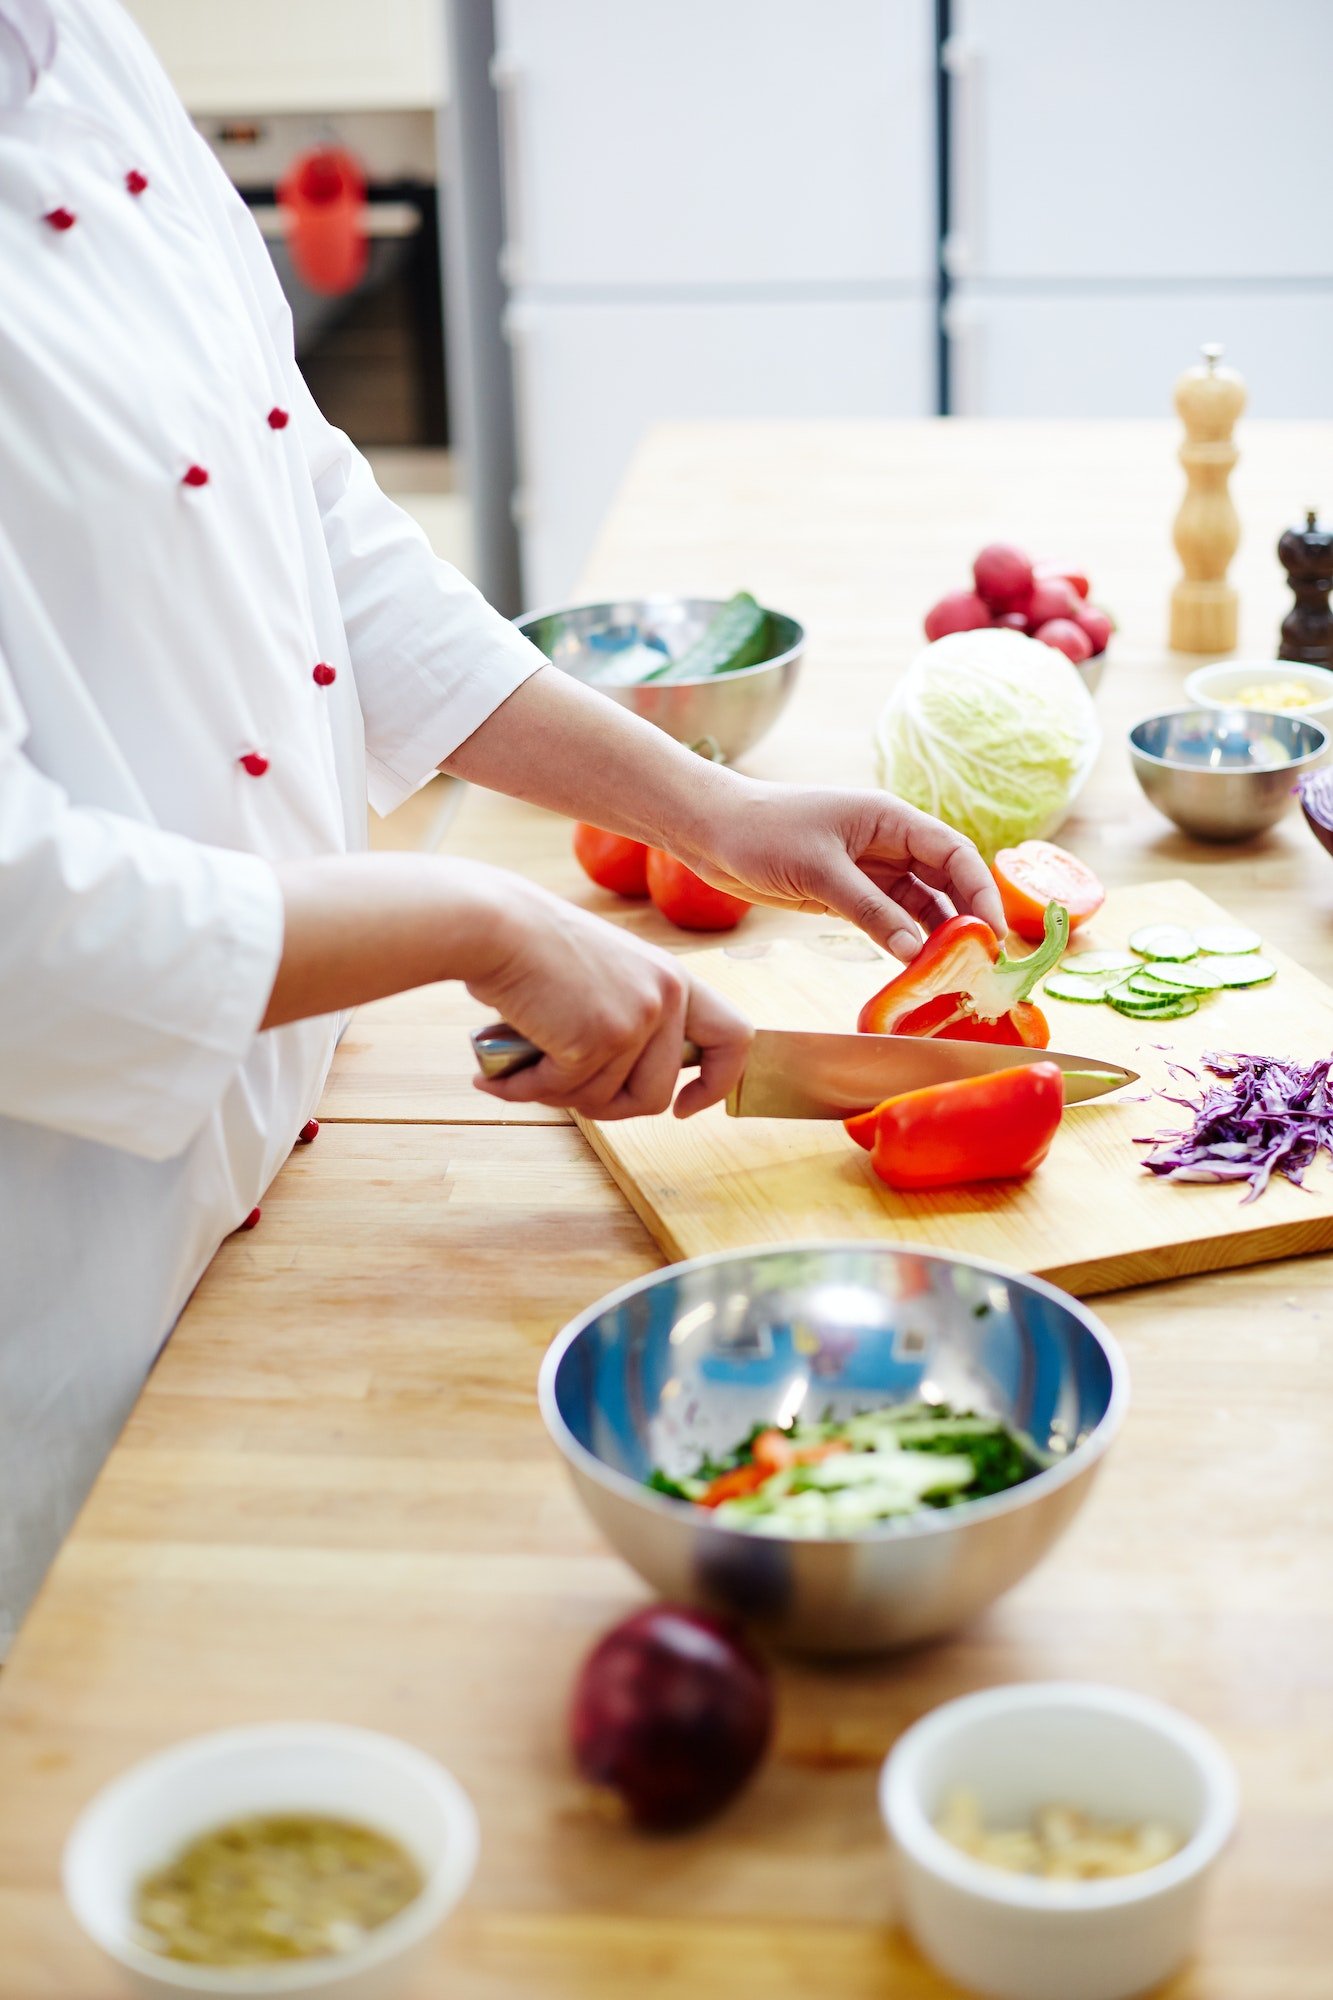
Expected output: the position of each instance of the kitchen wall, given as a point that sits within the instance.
(299, 55)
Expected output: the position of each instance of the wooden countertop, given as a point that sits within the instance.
(335, 1498)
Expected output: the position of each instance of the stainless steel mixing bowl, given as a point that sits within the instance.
(1223, 773)
(684, 1362)
(723, 716)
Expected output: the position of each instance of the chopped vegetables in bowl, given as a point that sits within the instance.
(838, 1476)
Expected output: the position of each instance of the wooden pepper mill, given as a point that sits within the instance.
(1203, 604)
(1306, 554)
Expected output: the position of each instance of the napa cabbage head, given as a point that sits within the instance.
(992, 733)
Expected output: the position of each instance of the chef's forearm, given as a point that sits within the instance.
(560, 745)
(358, 926)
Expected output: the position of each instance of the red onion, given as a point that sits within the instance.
(1316, 790)
(672, 1712)
(1261, 1117)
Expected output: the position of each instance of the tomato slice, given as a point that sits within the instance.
(1038, 873)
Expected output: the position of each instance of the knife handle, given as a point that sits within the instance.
(501, 1051)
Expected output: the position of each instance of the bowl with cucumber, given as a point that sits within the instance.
(714, 673)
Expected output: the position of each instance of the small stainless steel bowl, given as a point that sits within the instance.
(722, 716)
(684, 1362)
(1223, 773)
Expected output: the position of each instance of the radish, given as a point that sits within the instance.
(1077, 581)
(1003, 577)
(1052, 597)
(1098, 624)
(1067, 638)
(960, 611)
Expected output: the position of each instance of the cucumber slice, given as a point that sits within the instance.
(1228, 940)
(1143, 986)
(1084, 992)
(1087, 964)
(1167, 1009)
(1196, 978)
(1167, 942)
(1247, 970)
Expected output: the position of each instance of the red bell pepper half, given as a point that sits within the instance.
(961, 985)
(981, 1128)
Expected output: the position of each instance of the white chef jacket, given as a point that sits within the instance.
(183, 543)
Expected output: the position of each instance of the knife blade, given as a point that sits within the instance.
(797, 1073)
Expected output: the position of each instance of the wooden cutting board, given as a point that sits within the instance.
(1091, 1219)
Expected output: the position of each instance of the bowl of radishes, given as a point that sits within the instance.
(1044, 599)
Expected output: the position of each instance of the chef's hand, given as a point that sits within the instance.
(609, 1012)
(861, 855)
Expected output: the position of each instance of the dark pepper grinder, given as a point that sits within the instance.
(1306, 554)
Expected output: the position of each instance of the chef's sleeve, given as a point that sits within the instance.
(431, 658)
(135, 965)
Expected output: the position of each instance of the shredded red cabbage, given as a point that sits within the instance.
(1261, 1117)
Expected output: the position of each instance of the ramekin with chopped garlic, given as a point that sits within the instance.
(1061, 1844)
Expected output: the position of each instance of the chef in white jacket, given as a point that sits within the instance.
(216, 637)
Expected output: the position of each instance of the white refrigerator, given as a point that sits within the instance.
(1130, 180)
(711, 211)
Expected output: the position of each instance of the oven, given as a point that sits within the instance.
(374, 357)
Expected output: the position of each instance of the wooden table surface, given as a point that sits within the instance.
(335, 1498)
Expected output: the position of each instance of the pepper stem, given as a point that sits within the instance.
(1025, 972)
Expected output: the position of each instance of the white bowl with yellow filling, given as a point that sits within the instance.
(1282, 687)
(293, 1858)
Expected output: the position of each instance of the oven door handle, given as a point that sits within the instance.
(379, 219)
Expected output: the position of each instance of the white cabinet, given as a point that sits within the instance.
(1128, 181)
(590, 378)
(713, 208)
(716, 142)
(1117, 354)
(1183, 141)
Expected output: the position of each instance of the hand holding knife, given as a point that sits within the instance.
(808, 1074)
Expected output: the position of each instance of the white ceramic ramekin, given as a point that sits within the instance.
(144, 1818)
(1217, 685)
(1118, 1756)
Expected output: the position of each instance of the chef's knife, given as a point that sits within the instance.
(800, 1074)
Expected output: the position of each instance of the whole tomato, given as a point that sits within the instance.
(612, 861)
(686, 900)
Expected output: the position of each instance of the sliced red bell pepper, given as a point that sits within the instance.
(734, 1485)
(961, 985)
(981, 1128)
